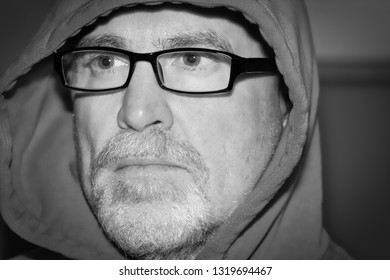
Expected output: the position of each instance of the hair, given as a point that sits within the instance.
(235, 16)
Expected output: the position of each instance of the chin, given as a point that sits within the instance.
(149, 219)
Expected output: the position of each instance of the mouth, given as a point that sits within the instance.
(146, 163)
(149, 168)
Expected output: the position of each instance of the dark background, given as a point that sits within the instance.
(353, 47)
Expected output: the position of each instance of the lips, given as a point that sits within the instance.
(150, 168)
(145, 163)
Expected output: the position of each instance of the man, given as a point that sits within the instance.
(194, 135)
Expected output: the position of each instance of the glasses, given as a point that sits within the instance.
(182, 70)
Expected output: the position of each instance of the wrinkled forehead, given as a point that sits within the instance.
(145, 28)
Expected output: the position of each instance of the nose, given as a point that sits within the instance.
(144, 102)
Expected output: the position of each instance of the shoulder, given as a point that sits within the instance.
(40, 254)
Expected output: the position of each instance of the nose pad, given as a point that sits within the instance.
(144, 102)
(160, 72)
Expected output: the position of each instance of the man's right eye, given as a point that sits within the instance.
(104, 62)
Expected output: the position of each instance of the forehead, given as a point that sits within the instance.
(143, 28)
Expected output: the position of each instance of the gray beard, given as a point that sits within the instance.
(158, 228)
(148, 219)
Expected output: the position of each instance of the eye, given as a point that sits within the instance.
(191, 59)
(105, 62)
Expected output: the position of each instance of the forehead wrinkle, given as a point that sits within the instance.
(104, 40)
(191, 39)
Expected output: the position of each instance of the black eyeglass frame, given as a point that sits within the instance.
(239, 66)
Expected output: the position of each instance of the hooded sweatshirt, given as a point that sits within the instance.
(41, 196)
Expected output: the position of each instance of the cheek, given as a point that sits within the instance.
(236, 135)
(95, 123)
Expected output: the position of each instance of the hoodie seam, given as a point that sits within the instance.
(292, 129)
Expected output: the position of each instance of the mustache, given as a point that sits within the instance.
(153, 143)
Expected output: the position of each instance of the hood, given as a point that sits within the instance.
(41, 197)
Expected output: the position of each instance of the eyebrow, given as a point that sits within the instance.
(200, 38)
(180, 40)
(104, 40)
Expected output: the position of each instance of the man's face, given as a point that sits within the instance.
(163, 170)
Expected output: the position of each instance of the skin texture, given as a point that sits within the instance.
(150, 208)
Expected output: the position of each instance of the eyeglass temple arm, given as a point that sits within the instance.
(253, 65)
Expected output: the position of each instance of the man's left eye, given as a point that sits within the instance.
(195, 60)
(191, 59)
